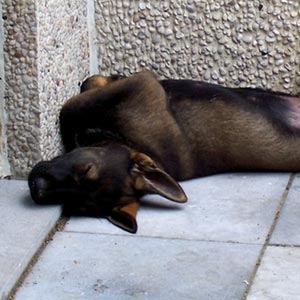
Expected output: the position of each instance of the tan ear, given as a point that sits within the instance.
(124, 216)
(151, 179)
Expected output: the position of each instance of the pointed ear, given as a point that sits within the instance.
(149, 178)
(124, 216)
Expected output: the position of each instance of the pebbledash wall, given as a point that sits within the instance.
(231, 42)
(51, 46)
(46, 55)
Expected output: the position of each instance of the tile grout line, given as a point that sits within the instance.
(269, 235)
(285, 245)
(58, 226)
(163, 237)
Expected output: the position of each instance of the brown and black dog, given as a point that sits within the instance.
(127, 137)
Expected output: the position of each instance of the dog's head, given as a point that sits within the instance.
(103, 181)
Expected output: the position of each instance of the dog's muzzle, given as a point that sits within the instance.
(38, 184)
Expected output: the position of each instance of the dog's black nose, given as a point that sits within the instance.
(37, 182)
(38, 189)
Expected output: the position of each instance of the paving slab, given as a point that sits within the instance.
(287, 228)
(227, 207)
(106, 267)
(278, 276)
(23, 228)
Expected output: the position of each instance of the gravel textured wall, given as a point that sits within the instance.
(230, 42)
(4, 165)
(50, 46)
(21, 93)
(46, 56)
(63, 62)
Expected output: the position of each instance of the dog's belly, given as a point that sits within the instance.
(293, 113)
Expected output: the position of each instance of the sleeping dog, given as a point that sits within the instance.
(127, 137)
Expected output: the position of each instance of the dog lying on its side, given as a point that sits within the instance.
(127, 137)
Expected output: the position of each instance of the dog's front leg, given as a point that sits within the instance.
(98, 107)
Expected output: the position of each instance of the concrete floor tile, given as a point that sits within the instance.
(278, 276)
(287, 228)
(23, 227)
(110, 267)
(229, 207)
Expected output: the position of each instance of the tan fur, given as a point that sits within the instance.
(101, 81)
(198, 133)
(147, 138)
(139, 117)
(239, 138)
